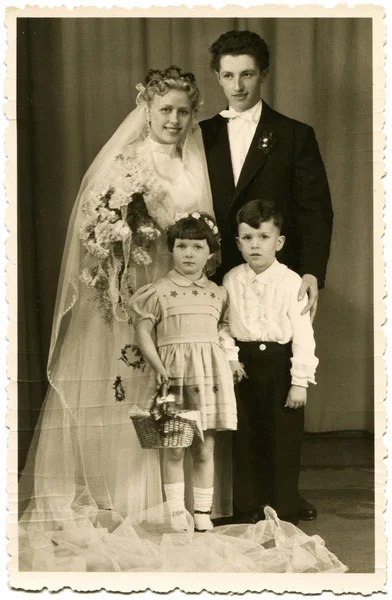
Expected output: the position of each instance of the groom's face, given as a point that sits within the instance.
(240, 78)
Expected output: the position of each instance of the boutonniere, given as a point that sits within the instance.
(267, 141)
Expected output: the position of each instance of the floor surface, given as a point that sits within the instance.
(338, 477)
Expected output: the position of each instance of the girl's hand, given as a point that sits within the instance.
(161, 377)
(296, 397)
(238, 371)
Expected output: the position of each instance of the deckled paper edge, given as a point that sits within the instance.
(189, 582)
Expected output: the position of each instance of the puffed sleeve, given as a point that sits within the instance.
(145, 304)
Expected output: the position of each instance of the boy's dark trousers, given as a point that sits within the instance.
(267, 444)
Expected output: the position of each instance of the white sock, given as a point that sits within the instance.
(175, 500)
(202, 501)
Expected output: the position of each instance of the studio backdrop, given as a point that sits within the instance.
(76, 83)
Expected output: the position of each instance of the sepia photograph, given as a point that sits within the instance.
(195, 220)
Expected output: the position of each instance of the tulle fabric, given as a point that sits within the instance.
(109, 543)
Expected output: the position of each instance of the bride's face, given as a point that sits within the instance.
(170, 117)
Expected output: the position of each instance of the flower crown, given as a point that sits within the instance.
(172, 72)
(195, 215)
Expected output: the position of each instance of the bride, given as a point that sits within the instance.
(90, 497)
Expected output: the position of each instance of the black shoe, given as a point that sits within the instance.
(223, 521)
(249, 516)
(307, 511)
(291, 518)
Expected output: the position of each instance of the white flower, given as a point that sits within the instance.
(87, 278)
(140, 256)
(195, 215)
(96, 250)
(215, 230)
(178, 216)
(120, 198)
(168, 398)
(105, 214)
(90, 203)
(150, 233)
(119, 231)
(86, 230)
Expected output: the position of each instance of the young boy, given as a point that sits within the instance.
(276, 361)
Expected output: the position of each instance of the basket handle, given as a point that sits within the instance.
(165, 387)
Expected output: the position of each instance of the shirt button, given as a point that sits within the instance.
(262, 346)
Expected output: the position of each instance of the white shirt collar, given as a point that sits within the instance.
(255, 111)
(272, 272)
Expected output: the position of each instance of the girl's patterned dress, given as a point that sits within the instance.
(186, 316)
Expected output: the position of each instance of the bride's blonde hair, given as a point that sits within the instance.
(161, 82)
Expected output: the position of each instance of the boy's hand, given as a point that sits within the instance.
(296, 397)
(238, 371)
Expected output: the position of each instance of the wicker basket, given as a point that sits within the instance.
(170, 431)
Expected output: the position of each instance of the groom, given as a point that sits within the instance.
(255, 152)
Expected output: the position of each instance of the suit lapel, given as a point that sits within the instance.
(257, 155)
(221, 159)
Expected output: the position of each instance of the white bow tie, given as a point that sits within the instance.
(233, 114)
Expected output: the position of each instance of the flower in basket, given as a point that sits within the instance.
(163, 405)
(117, 228)
(164, 425)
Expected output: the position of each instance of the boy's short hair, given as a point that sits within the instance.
(236, 43)
(257, 211)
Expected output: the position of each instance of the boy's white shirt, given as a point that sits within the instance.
(264, 307)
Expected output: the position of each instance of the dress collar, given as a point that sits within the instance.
(271, 273)
(182, 281)
(157, 148)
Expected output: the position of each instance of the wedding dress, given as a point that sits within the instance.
(90, 499)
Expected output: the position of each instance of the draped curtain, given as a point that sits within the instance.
(76, 83)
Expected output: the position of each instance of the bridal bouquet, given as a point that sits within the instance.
(117, 228)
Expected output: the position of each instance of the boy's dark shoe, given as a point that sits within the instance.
(291, 518)
(223, 521)
(307, 511)
(249, 516)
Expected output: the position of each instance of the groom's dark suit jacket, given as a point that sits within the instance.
(288, 169)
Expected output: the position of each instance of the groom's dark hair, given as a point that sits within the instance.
(240, 42)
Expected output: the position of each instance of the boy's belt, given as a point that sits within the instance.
(266, 347)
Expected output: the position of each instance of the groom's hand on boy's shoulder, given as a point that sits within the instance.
(238, 371)
(310, 286)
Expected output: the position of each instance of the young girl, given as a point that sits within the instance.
(181, 313)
